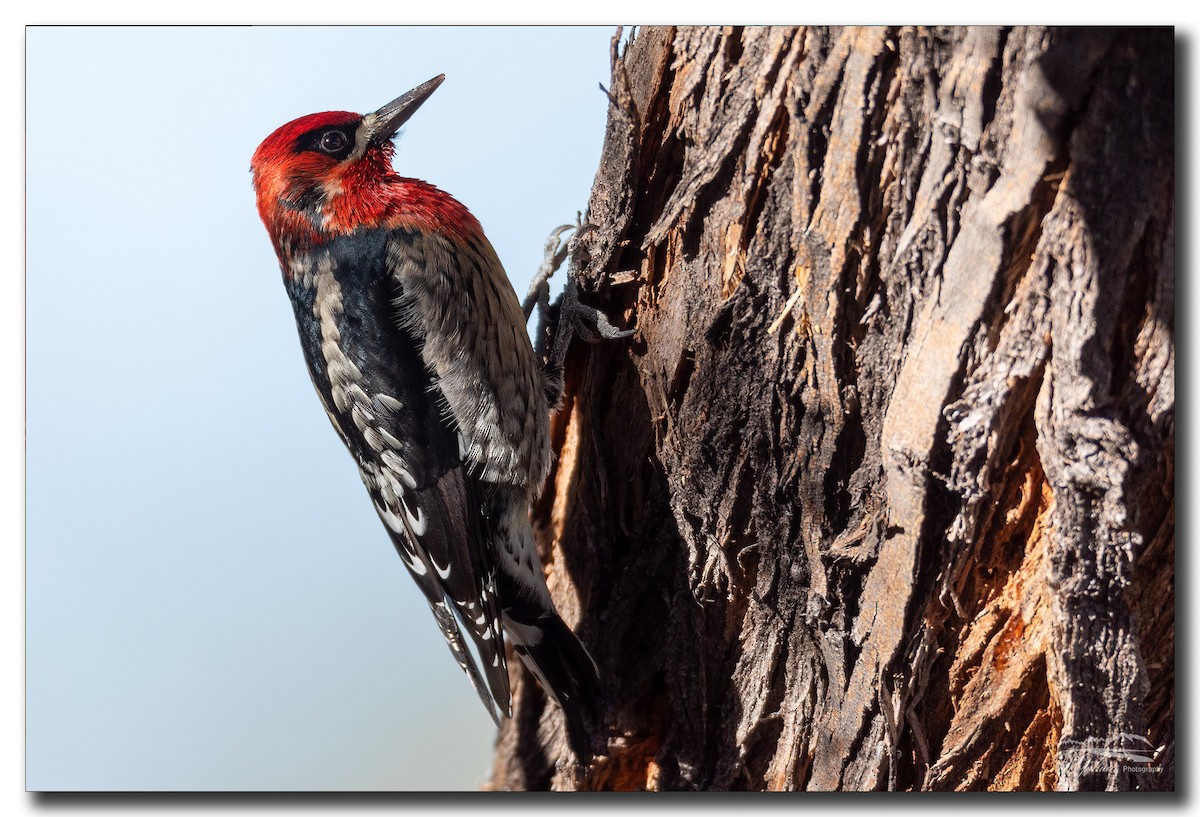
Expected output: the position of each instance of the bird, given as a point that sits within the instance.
(417, 347)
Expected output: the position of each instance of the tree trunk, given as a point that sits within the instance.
(880, 494)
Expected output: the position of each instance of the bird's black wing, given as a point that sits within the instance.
(384, 401)
(440, 542)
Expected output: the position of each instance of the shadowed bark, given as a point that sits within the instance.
(880, 494)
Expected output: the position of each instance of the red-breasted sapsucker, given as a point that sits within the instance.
(417, 347)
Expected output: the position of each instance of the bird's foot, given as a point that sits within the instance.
(559, 323)
(575, 319)
(539, 288)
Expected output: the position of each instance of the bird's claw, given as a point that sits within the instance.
(585, 318)
(573, 318)
(578, 319)
(555, 253)
(539, 288)
(580, 231)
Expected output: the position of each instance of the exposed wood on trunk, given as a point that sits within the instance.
(880, 495)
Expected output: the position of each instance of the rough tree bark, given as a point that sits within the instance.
(880, 495)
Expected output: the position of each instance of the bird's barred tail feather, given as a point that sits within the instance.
(561, 664)
(568, 674)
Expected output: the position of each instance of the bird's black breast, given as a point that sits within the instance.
(344, 301)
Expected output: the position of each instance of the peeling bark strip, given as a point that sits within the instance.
(881, 493)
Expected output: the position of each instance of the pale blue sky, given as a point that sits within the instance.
(211, 601)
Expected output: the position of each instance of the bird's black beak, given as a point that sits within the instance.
(383, 124)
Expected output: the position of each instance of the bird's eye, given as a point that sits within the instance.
(332, 141)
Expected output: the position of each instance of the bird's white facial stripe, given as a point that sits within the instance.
(362, 137)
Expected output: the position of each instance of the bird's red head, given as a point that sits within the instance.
(329, 174)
